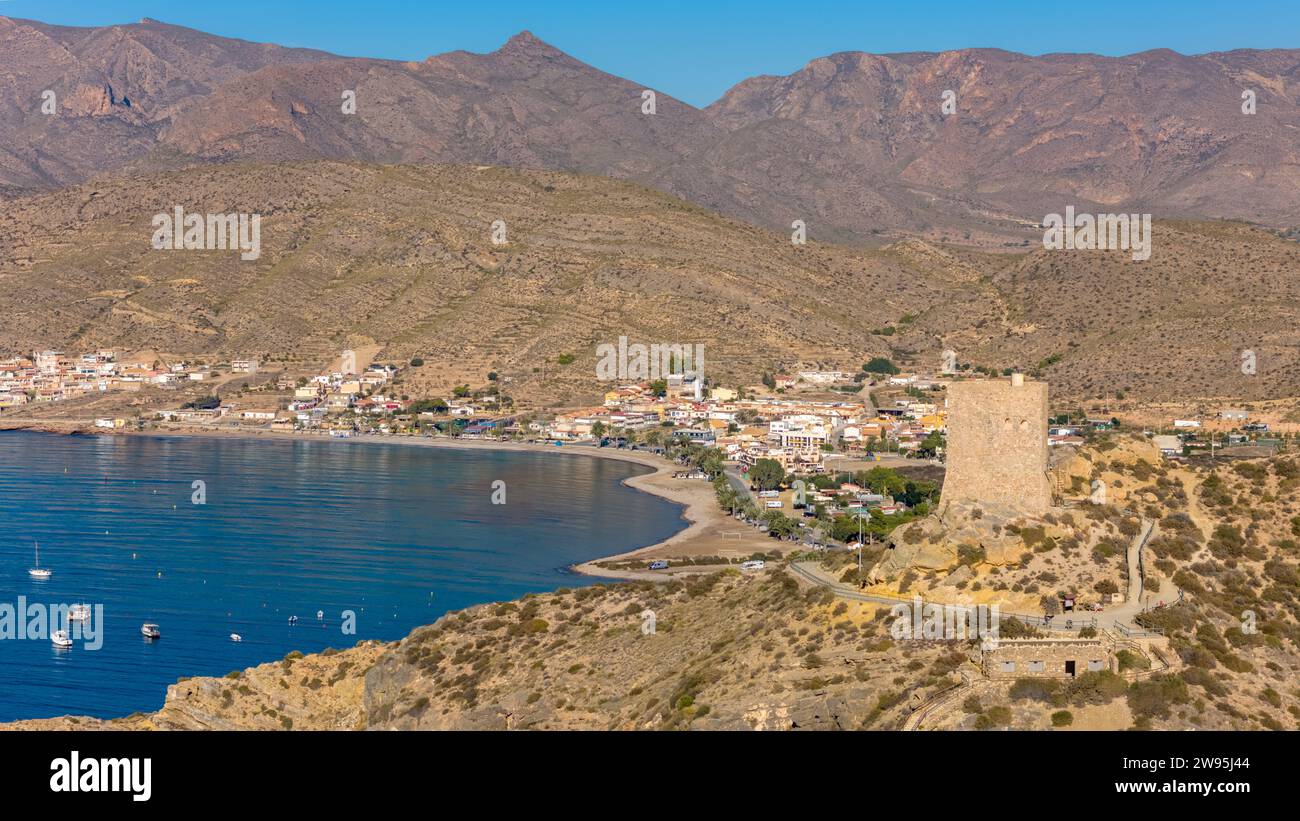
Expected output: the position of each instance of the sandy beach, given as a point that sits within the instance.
(709, 531)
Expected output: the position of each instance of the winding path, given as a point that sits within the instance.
(1119, 617)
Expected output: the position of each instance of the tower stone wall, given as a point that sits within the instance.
(997, 444)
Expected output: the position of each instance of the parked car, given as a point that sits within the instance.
(752, 564)
(659, 564)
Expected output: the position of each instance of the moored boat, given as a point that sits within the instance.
(36, 571)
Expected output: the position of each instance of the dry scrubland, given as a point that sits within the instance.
(1226, 536)
(1016, 561)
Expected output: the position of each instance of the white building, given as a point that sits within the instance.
(47, 362)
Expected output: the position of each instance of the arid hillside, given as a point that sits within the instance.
(402, 257)
(1179, 325)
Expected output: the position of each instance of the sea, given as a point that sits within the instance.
(291, 544)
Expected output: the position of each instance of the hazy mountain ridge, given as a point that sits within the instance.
(854, 144)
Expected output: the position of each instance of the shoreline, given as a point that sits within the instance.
(694, 497)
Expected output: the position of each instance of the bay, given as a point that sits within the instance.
(395, 534)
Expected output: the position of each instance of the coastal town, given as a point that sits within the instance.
(811, 423)
(841, 493)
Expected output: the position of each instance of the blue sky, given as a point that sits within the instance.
(697, 50)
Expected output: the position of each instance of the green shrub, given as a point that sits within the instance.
(1153, 697)
(998, 716)
(1128, 660)
(1096, 687)
(1034, 689)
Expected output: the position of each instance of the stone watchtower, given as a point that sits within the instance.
(997, 444)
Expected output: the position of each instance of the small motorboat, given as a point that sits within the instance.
(293, 619)
(236, 637)
(79, 612)
(59, 638)
(150, 631)
(38, 572)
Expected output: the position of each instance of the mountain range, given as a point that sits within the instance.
(856, 145)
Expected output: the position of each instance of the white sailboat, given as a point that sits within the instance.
(38, 572)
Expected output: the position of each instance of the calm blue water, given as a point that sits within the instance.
(397, 534)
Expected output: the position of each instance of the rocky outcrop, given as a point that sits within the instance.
(965, 532)
(317, 692)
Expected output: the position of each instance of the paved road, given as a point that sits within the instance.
(738, 482)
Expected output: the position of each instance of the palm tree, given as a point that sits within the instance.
(728, 498)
